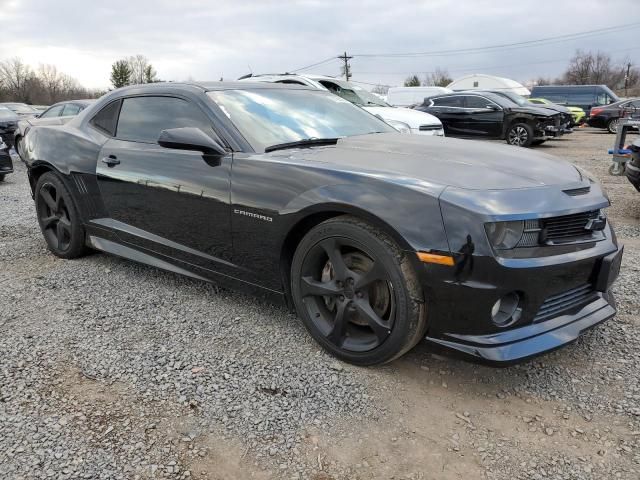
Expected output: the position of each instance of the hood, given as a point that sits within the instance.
(416, 160)
(413, 118)
(533, 110)
(553, 108)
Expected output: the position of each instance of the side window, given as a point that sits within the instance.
(52, 112)
(71, 109)
(556, 98)
(456, 101)
(143, 118)
(107, 118)
(473, 101)
(583, 98)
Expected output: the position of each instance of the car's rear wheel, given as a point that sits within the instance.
(520, 135)
(58, 217)
(612, 125)
(18, 147)
(356, 292)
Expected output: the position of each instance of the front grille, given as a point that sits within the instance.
(429, 128)
(574, 192)
(558, 304)
(567, 226)
(563, 229)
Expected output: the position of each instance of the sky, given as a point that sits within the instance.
(207, 40)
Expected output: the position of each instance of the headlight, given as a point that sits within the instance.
(504, 235)
(399, 126)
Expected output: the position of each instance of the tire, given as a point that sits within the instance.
(612, 125)
(18, 147)
(58, 217)
(537, 142)
(346, 269)
(520, 135)
(2, 177)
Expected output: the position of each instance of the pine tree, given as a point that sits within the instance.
(120, 74)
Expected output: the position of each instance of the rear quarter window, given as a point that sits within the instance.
(106, 119)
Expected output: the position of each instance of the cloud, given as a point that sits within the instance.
(206, 40)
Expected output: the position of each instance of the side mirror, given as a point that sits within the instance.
(190, 138)
(492, 107)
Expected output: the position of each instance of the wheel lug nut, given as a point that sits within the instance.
(359, 294)
(342, 298)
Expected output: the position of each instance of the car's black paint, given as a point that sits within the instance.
(54, 115)
(491, 119)
(236, 219)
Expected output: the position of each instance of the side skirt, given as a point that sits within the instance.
(124, 251)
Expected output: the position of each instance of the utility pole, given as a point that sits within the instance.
(347, 67)
(626, 79)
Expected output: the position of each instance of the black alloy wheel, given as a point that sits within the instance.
(58, 217)
(520, 135)
(352, 295)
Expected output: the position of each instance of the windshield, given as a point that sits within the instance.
(20, 107)
(515, 98)
(269, 117)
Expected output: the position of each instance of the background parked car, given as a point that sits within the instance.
(8, 124)
(567, 119)
(583, 96)
(6, 165)
(21, 109)
(577, 114)
(409, 96)
(56, 114)
(488, 115)
(609, 116)
(404, 120)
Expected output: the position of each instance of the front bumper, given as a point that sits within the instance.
(459, 320)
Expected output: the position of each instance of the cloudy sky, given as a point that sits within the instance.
(205, 40)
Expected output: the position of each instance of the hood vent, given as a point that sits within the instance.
(574, 192)
(428, 128)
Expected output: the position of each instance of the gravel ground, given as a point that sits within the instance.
(115, 370)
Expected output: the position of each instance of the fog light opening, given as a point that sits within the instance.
(506, 311)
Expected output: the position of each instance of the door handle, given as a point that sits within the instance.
(111, 160)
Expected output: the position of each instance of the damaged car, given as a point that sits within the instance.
(492, 116)
(376, 239)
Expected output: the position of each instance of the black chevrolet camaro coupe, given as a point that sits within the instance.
(376, 239)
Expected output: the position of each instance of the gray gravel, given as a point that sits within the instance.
(115, 370)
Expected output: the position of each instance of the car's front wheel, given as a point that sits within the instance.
(58, 217)
(520, 135)
(612, 125)
(356, 292)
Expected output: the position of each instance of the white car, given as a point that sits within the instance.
(404, 120)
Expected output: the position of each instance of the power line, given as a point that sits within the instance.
(523, 44)
(484, 67)
(326, 60)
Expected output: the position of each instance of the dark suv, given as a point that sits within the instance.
(584, 96)
(609, 116)
(489, 115)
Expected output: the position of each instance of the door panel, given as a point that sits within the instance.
(173, 202)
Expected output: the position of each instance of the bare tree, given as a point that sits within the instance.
(15, 77)
(380, 89)
(438, 78)
(594, 68)
(139, 65)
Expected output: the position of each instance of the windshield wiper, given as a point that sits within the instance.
(306, 142)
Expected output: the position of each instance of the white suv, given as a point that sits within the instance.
(404, 120)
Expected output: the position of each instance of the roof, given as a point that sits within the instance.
(213, 85)
(507, 82)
